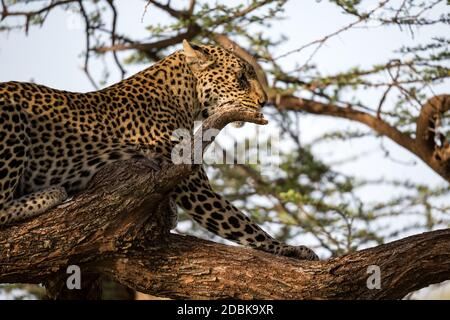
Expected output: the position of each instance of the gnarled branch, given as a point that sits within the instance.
(422, 145)
(119, 227)
(428, 121)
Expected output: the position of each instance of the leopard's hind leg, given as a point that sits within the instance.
(32, 204)
(14, 144)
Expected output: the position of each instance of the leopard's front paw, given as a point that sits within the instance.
(299, 252)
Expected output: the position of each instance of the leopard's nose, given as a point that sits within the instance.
(263, 99)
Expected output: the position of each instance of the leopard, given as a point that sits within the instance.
(52, 142)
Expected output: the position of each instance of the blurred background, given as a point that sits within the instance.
(359, 163)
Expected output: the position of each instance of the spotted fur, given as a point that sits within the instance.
(52, 142)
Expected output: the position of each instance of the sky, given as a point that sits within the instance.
(51, 55)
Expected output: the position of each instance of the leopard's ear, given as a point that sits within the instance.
(231, 47)
(197, 60)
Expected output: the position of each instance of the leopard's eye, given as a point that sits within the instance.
(241, 77)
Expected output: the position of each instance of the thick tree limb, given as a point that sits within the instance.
(186, 267)
(119, 227)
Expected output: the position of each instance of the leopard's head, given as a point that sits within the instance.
(223, 77)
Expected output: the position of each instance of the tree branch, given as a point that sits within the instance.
(187, 267)
(418, 145)
(428, 124)
(119, 227)
(153, 47)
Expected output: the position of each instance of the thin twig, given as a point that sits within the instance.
(321, 42)
(88, 45)
(113, 38)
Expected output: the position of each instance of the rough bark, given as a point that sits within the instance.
(120, 228)
(187, 267)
